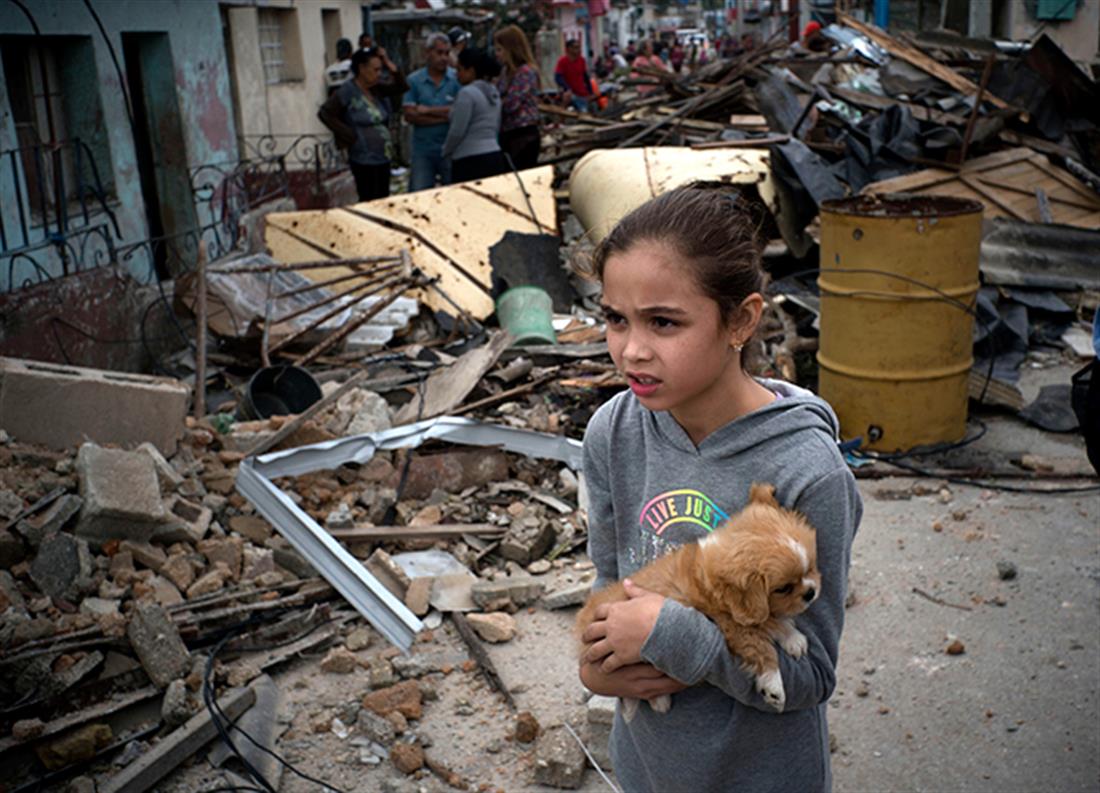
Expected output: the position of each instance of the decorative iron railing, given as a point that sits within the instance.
(55, 189)
(47, 237)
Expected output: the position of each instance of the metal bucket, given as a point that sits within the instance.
(278, 391)
(898, 274)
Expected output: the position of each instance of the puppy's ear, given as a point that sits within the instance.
(749, 602)
(761, 493)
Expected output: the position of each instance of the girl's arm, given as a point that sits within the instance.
(461, 111)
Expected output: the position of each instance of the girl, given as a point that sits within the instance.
(665, 462)
(519, 94)
(358, 113)
(471, 142)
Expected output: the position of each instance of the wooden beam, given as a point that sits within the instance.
(989, 195)
(917, 58)
(429, 531)
(155, 764)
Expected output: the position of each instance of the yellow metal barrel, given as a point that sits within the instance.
(898, 274)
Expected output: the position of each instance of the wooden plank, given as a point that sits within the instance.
(742, 144)
(1070, 181)
(428, 531)
(98, 711)
(917, 58)
(989, 195)
(1053, 197)
(162, 758)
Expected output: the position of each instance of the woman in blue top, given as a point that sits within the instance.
(358, 113)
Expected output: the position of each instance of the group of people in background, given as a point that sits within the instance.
(474, 113)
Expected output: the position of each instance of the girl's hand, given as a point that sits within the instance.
(640, 681)
(620, 629)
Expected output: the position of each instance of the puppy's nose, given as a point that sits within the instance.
(809, 594)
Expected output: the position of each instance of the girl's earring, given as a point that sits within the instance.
(737, 347)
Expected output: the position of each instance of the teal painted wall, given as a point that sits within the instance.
(199, 67)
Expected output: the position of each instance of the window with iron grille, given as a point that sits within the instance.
(280, 48)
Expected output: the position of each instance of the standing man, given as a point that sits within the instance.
(571, 75)
(431, 93)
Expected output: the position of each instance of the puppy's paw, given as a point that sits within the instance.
(630, 709)
(794, 643)
(770, 686)
(661, 704)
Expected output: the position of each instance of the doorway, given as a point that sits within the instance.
(159, 148)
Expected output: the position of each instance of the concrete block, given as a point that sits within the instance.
(62, 406)
(187, 522)
(121, 494)
(158, 645)
(37, 527)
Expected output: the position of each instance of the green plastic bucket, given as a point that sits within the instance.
(526, 313)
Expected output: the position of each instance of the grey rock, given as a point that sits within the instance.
(63, 567)
(187, 522)
(158, 645)
(376, 728)
(12, 551)
(571, 595)
(559, 760)
(175, 708)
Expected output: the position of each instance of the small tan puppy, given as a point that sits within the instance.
(750, 576)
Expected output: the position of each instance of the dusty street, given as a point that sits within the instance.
(1009, 581)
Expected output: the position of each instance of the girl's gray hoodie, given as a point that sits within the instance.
(650, 488)
(475, 121)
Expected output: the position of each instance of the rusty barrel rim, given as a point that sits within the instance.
(901, 205)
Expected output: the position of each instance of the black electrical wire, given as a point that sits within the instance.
(219, 718)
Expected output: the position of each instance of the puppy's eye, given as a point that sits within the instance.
(786, 589)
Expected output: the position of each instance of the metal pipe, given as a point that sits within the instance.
(313, 265)
(298, 334)
(332, 298)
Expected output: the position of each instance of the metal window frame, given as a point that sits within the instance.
(342, 570)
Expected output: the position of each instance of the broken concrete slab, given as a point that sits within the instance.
(62, 406)
(168, 476)
(382, 566)
(566, 596)
(559, 760)
(187, 522)
(158, 645)
(121, 494)
(520, 590)
(64, 566)
(53, 519)
(144, 553)
(525, 543)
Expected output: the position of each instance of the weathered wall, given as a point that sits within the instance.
(202, 90)
(1079, 37)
